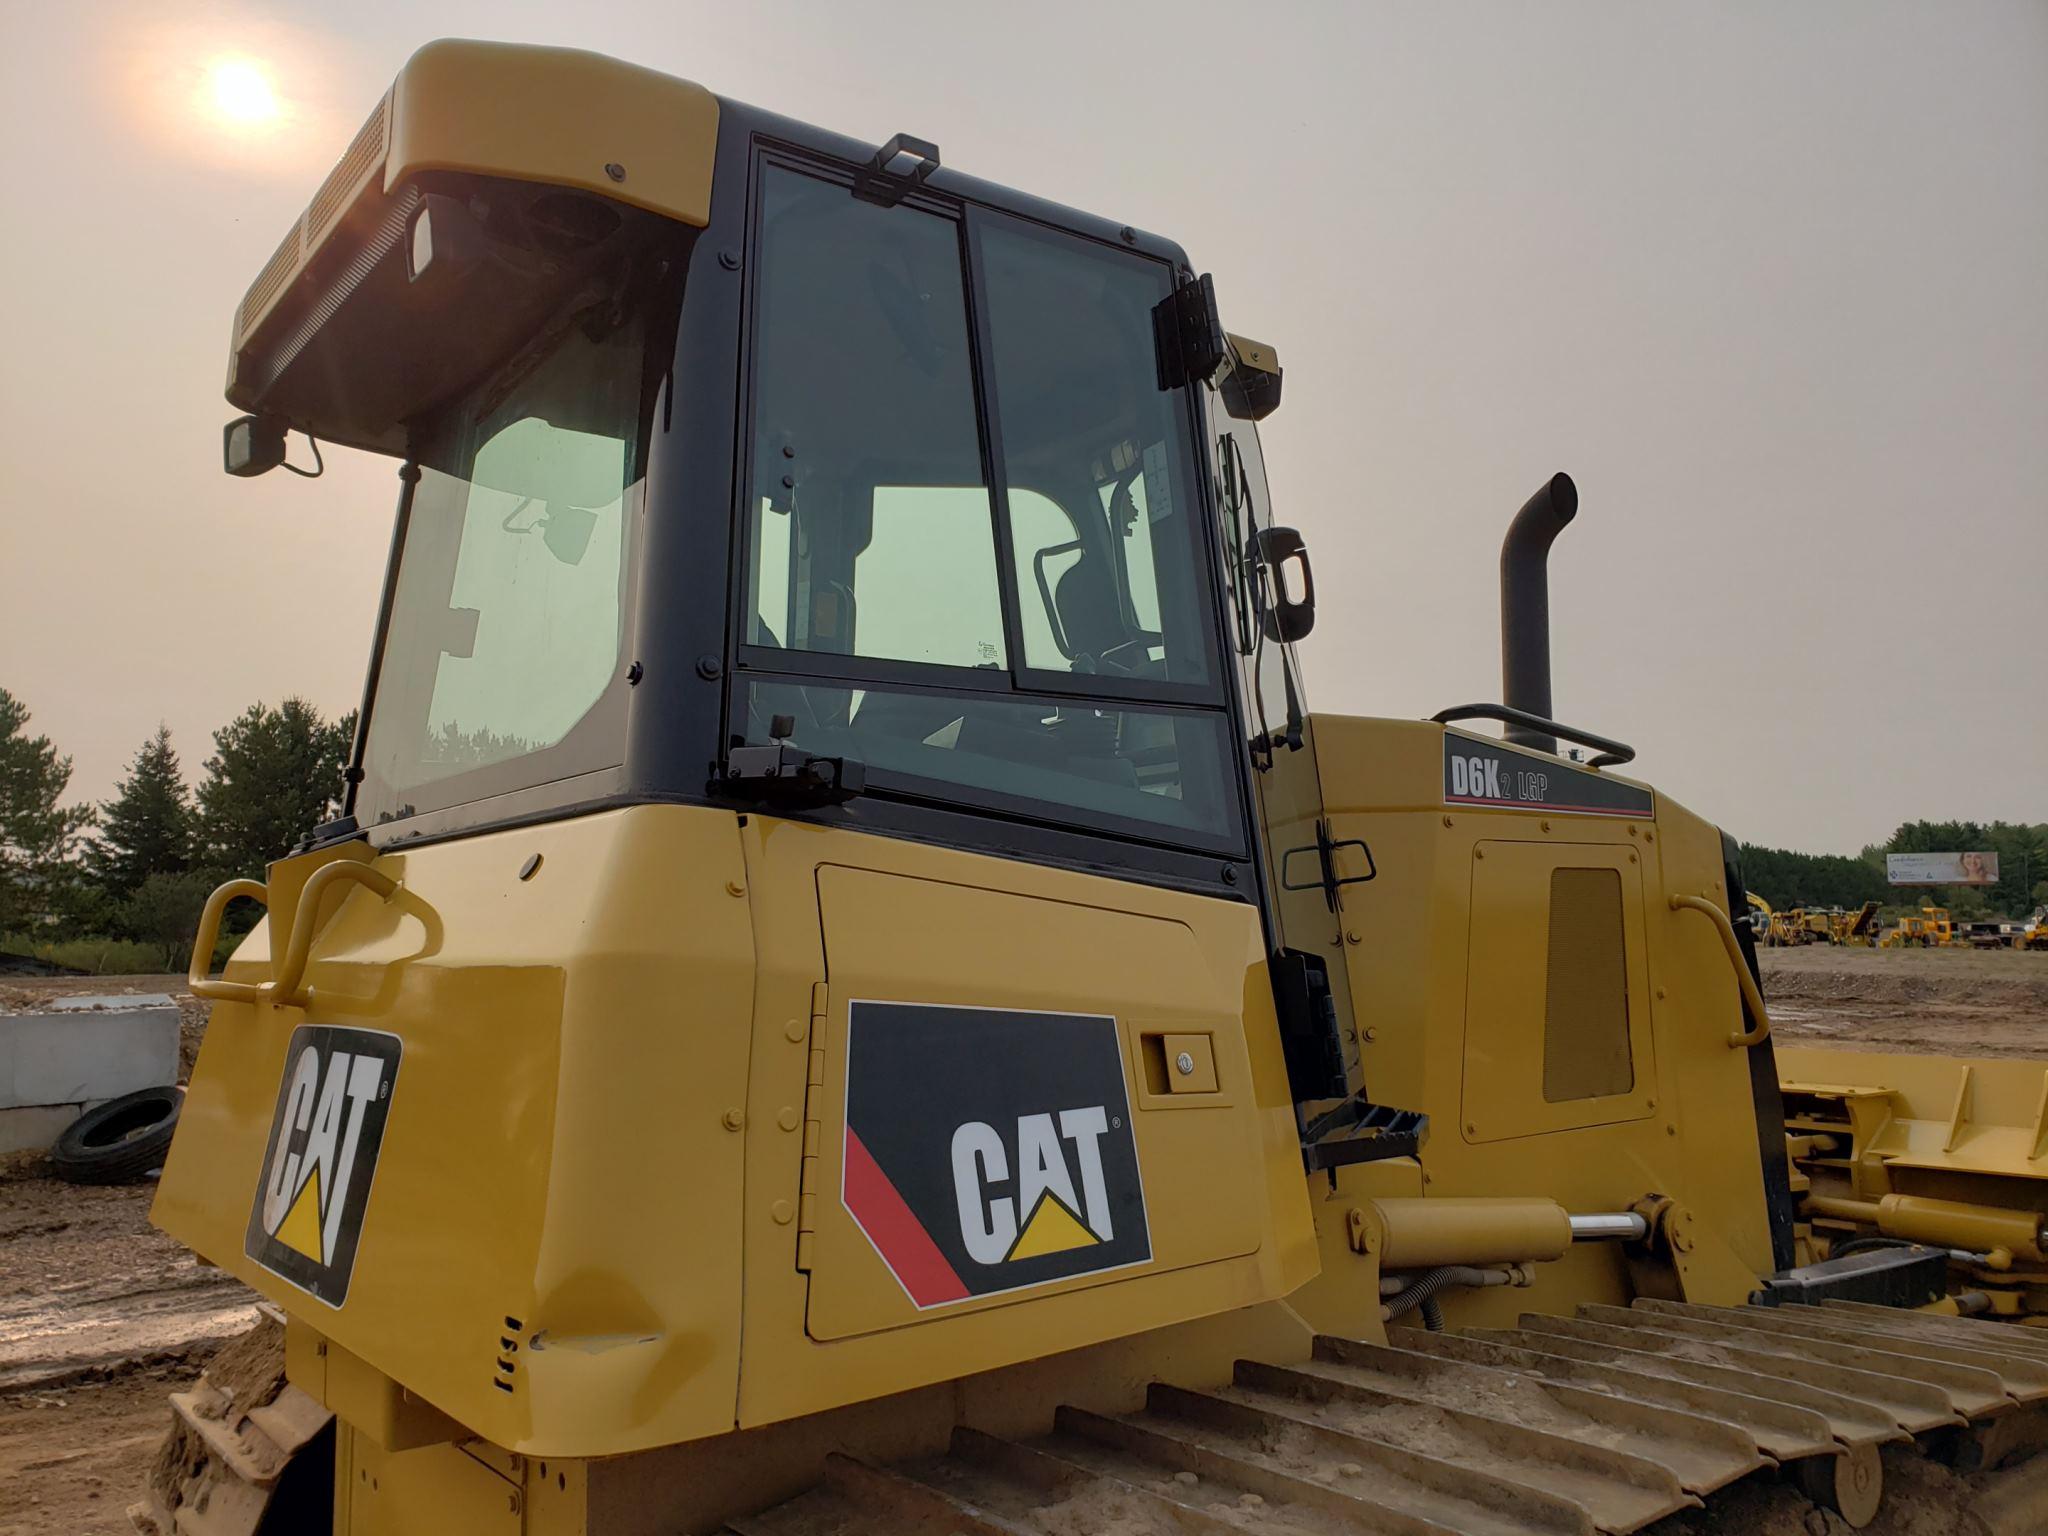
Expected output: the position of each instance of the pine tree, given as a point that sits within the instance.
(38, 836)
(146, 829)
(274, 776)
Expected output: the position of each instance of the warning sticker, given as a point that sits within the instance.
(322, 1156)
(990, 1149)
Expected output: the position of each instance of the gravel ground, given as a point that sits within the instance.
(1951, 1002)
(101, 1316)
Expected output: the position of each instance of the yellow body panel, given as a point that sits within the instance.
(1931, 1125)
(1417, 951)
(554, 1156)
(597, 1115)
(1505, 1037)
(912, 922)
(559, 116)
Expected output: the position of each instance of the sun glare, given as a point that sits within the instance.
(240, 92)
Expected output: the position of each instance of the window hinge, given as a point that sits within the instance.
(814, 1135)
(1187, 335)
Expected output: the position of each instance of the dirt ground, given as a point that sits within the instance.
(101, 1315)
(1951, 1002)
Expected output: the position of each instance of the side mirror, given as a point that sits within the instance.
(252, 445)
(1251, 386)
(1292, 612)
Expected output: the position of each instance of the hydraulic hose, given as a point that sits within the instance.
(1423, 1291)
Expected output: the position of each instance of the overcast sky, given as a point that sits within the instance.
(1770, 281)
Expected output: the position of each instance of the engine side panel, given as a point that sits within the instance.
(1450, 953)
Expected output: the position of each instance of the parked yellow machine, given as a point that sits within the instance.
(1760, 915)
(1817, 925)
(1929, 928)
(848, 976)
(1858, 929)
(2033, 933)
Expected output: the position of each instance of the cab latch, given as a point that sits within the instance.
(783, 775)
(789, 777)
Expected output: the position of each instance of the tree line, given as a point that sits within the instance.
(1788, 879)
(138, 866)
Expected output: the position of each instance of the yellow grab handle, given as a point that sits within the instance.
(197, 982)
(287, 989)
(1743, 979)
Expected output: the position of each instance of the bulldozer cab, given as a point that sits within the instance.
(884, 557)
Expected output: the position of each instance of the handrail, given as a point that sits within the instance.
(1612, 753)
(287, 988)
(1750, 994)
(197, 982)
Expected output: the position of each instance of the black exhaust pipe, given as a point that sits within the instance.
(1525, 605)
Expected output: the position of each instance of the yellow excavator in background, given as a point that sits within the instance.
(851, 995)
(1762, 920)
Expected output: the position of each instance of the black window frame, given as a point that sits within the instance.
(692, 565)
(1215, 699)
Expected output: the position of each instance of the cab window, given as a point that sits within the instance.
(502, 663)
(1039, 649)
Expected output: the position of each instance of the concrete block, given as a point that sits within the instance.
(36, 1125)
(82, 1050)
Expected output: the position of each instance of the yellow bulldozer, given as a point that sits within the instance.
(850, 995)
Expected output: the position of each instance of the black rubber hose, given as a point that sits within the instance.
(1432, 1314)
(1422, 1294)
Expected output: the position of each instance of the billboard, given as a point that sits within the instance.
(1941, 868)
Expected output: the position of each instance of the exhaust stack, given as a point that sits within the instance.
(1525, 605)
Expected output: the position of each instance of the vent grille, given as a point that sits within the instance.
(1585, 1015)
(505, 1378)
(269, 282)
(340, 188)
(342, 183)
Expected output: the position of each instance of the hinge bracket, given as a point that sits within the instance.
(813, 1128)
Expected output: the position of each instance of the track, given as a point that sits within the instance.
(1620, 1419)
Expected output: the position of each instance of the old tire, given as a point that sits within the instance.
(122, 1140)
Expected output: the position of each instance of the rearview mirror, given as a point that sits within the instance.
(1291, 613)
(1251, 385)
(252, 445)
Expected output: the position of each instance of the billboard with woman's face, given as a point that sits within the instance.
(1941, 868)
